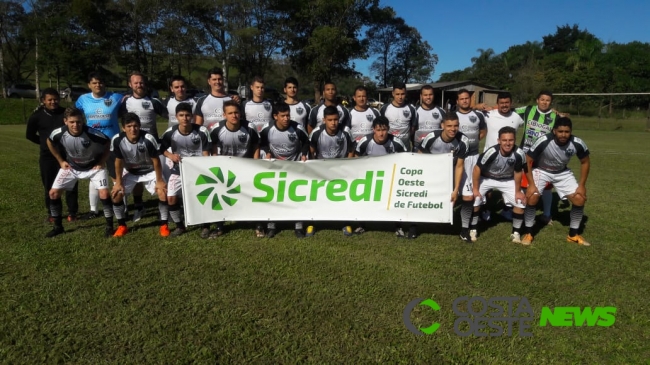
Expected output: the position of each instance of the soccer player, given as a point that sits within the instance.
(101, 109)
(401, 115)
(329, 99)
(209, 108)
(178, 88)
(331, 140)
(45, 119)
(284, 139)
(378, 143)
(446, 140)
(186, 139)
(472, 124)
(362, 115)
(136, 161)
(428, 117)
(500, 167)
(86, 150)
(299, 109)
(233, 137)
(257, 111)
(547, 163)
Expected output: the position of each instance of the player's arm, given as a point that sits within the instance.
(161, 185)
(304, 140)
(119, 170)
(458, 175)
(53, 150)
(32, 129)
(476, 178)
(531, 189)
(198, 113)
(584, 173)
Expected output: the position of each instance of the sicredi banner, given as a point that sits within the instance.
(398, 187)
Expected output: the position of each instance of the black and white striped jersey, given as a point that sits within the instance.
(136, 156)
(427, 121)
(259, 115)
(401, 119)
(241, 142)
(496, 166)
(552, 157)
(471, 124)
(82, 152)
(316, 115)
(288, 144)
(327, 146)
(210, 108)
(147, 109)
(361, 122)
(186, 145)
(170, 105)
(367, 146)
(300, 113)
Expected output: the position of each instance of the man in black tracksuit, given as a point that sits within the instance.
(45, 119)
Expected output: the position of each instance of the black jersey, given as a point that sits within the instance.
(552, 157)
(241, 143)
(146, 108)
(83, 152)
(41, 124)
(288, 144)
(367, 146)
(326, 146)
(186, 145)
(136, 156)
(496, 166)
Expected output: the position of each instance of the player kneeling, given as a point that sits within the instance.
(86, 150)
(137, 161)
(547, 163)
(500, 167)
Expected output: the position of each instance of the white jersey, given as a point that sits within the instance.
(316, 116)
(361, 122)
(300, 113)
(210, 108)
(427, 121)
(171, 104)
(495, 121)
(259, 115)
(400, 119)
(471, 124)
(146, 108)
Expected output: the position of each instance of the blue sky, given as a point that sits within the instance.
(457, 29)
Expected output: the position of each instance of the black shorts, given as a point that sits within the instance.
(110, 165)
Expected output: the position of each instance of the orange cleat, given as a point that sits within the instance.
(121, 231)
(164, 230)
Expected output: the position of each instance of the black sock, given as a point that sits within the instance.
(576, 218)
(137, 202)
(107, 204)
(55, 211)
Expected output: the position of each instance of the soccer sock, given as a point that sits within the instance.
(55, 211)
(517, 220)
(529, 217)
(93, 198)
(137, 202)
(164, 212)
(576, 218)
(107, 204)
(118, 209)
(466, 210)
(298, 225)
(175, 213)
(270, 225)
(474, 223)
(547, 201)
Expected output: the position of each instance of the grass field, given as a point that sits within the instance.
(329, 299)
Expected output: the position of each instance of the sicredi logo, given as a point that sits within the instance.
(226, 196)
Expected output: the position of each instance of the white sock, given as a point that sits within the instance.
(93, 198)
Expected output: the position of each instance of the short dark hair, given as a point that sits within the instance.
(380, 121)
(462, 91)
(130, 117)
(97, 76)
(49, 91)
(507, 130)
(545, 92)
(71, 111)
(399, 85)
(360, 88)
(562, 122)
(450, 116)
(426, 87)
(330, 110)
(504, 95)
(214, 71)
(230, 103)
(176, 78)
(328, 82)
(259, 79)
(291, 80)
(280, 107)
(184, 107)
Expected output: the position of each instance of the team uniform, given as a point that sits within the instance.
(550, 163)
(259, 115)
(170, 105)
(367, 146)
(326, 146)
(299, 112)
(361, 122)
(316, 116)
(495, 121)
(434, 144)
(239, 143)
(146, 109)
(289, 144)
(470, 124)
(498, 171)
(192, 144)
(401, 120)
(137, 160)
(210, 108)
(536, 124)
(426, 121)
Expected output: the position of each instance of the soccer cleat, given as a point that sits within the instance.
(205, 232)
(216, 233)
(299, 233)
(486, 216)
(121, 231)
(544, 220)
(473, 235)
(178, 231)
(399, 233)
(271, 233)
(259, 232)
(359, 230)
(108, 231)
(56, 230)
(72, 218)
(413, 232)
(164, 230)
(515, 237)
(464, 235)
(578, 239)
(90, 215)
(310, 231)
(527, 239)
(347, 231)
(137, 215)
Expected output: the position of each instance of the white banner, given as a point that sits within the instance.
(405, 187)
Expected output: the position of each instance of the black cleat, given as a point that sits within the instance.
(271, 233)
(299, 233)
(89, 215)
(413, 232)
(178, 231)
(108, 231)
(56, 230)
(464, 235)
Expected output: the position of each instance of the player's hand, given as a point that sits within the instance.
(531, 190)
(64, 165)
(117, 189)
(303, 158)
(519, 196)
(98, 167)
(477, 194)
(454, 196)
(236, 98)
(267, 156)
(161, 186)
(582, 191)
(176, 158)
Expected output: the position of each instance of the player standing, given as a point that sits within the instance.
(178, 88)
(400, 115)
(299, 109)
(45, 119)
(362, 115)
(86, 150)
(257, 111)
(284, 139)
(329, 99)
(137, 161)
(428, 117)
(209, 108)
(547, 163)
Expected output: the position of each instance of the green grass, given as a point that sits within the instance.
(328, 299)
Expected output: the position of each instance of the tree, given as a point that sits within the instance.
(565, 38)
(383, 40)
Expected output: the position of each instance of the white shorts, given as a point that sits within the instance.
(564, 182)
(466, 180)
(174, 185)
(129, 180)
(66, 179)
(506, 187)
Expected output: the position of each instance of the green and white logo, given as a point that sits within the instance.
(217, 198)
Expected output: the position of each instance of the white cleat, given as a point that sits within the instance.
(515, 237)
(473, 235)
